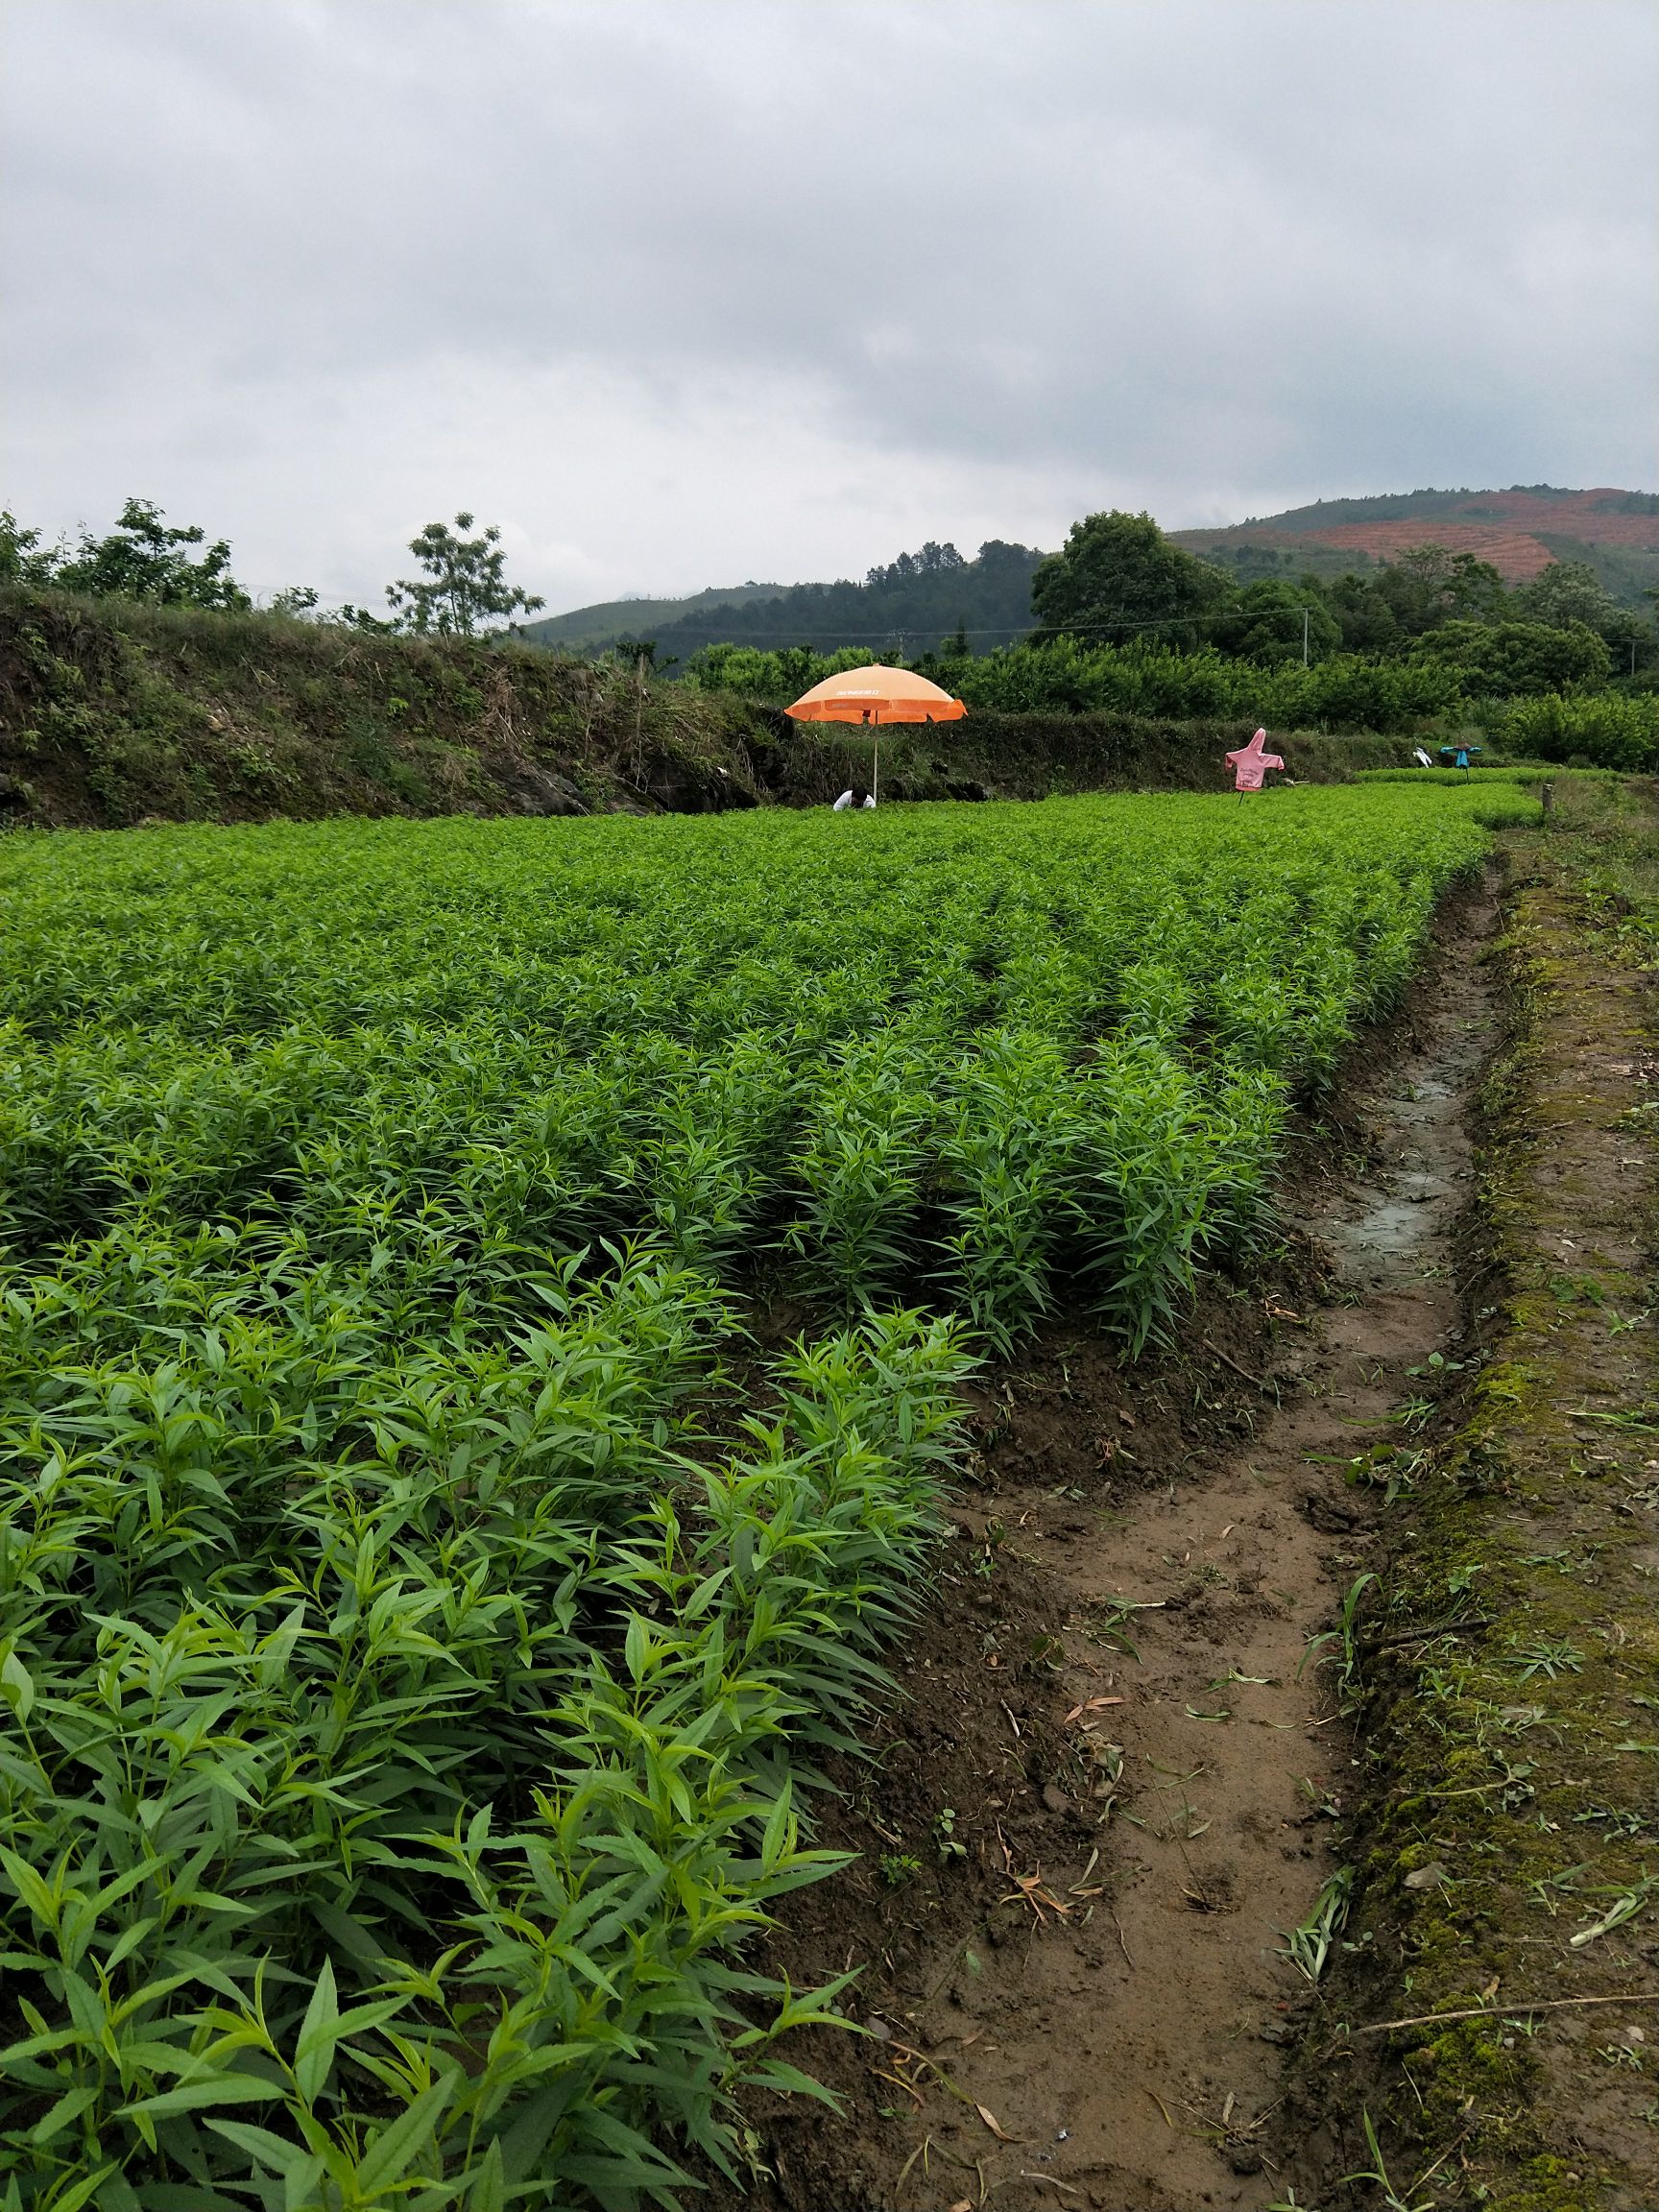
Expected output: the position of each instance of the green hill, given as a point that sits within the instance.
(594, 627)
(1521, 532)
(905, 607)
(914, 602)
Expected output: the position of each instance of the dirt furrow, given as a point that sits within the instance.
(1131, 2042)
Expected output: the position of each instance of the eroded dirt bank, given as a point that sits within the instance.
(1108, 1815)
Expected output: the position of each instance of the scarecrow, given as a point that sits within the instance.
(1251, 763)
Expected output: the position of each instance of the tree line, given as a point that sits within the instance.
(461, 592)
(1119, 619)
(1119, 576)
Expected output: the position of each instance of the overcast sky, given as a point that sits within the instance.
(684, 292)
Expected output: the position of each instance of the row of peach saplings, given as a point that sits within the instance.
(395, 1755)
(397, 1743)
(970, 1177)
(403, 1693)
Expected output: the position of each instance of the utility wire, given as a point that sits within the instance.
(876, 634)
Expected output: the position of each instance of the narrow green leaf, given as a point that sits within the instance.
(319, 2033)
(393, 2148)
(199, 2096)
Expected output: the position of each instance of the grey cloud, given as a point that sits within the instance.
(1208, 254)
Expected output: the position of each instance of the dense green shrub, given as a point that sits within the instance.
(1503, 660)
(1348, 691)
(1116, 572)
(1609, 728)
(1068, 675)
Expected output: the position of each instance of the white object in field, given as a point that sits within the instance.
(845, 800)
(1421, 757)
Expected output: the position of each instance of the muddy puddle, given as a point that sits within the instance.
(1113, 2032)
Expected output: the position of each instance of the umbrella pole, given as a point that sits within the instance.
(875, 762)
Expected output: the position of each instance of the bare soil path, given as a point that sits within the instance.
(1102, 2018)
(1133, 2044)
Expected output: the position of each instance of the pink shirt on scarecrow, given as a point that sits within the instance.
(1251, 763)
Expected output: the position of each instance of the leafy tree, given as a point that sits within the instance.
(1268, 624)
(1116, 576)
(298, 601)
(21, 560)
(778, 677)
(1570, 592)
(934, 560)
(1383, 611)
(142, 558)
(465, 584)
(1507, 659)
(1429, 586)
(1367, 621)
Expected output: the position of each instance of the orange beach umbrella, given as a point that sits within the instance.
(875, 695)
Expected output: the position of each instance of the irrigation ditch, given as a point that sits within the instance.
(1297, 1683)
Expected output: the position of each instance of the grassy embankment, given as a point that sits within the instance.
(1508, 1868)
(113, 713)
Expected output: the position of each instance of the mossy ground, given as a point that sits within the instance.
(1510, 1736)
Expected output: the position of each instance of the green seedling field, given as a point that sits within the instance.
(415, 1647)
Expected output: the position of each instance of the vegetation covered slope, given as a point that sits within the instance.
(113, 711)
(1506, 1848)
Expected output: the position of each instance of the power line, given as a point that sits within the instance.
(882, 634)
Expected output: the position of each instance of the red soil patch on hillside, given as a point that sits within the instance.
(1501, 527)
(1594, 516)
(1513, 553)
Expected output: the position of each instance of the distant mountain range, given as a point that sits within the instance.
(920, 598)
(912, 603)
